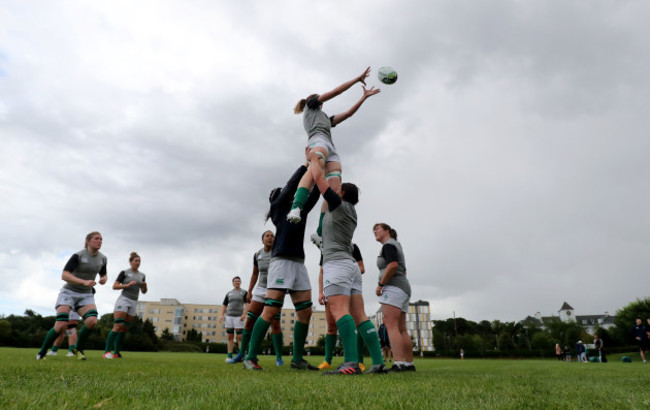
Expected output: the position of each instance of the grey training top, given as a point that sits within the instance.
(234, 302)
(262, 259)
(315, 120)
(397, 255)
(125, 277)
(86, 266)
(339, 224)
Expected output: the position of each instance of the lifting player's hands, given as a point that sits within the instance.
(369, 92)
(102, 280)
(321, 298)
(379, 290)
(248, 298)
(362, 77)
(132, 283)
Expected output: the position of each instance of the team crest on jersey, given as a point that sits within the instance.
(385, 297)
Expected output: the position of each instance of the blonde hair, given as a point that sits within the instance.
(133, 256)
(300, 106)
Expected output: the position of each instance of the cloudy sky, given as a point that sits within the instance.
(511, 155)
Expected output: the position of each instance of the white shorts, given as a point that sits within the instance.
(287, 274)
(341, 277)
(394, 296)
(234, 322)
(259, 294)
(74, 299)
(320, 140)
(124, 304)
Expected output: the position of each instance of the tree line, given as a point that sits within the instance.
(477, 339)
(529, 338)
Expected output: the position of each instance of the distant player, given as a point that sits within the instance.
(234, 310)
(131, 282)
(79, 274)
(287, 274)
(255, 299)
(638, 332)
(384, 342)
(322, 153)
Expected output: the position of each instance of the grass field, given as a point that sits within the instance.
(193, 380)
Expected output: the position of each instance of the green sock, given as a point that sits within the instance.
(55, 348)
(369, 334)
(300, 199)
(110, 341)
(229, 355)
(245, 341)
(83, 336)
(49, 340)
(119, 340)
(70, 348)
(319, 231)
(259, 331)
(277, 345)
(330, 342)
(299, 336)
(360, 346)
(348, 332)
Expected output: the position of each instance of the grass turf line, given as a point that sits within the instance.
(195, 380)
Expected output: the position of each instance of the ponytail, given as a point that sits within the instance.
(300, 106)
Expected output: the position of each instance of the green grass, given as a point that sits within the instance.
(194, 380)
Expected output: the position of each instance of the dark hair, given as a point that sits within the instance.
(236, 277)
(264, 233)
(351, 192)
(273, 195)
(392, 232)
(133, 256)
(89, 237)
(300, 106)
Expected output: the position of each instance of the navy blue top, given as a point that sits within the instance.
(289, 237)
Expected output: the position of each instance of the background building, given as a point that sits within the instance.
(589, 322)
(179, 318)
(418, 325)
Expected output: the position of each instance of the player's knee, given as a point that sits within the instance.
(90, 322)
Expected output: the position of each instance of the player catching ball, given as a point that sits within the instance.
(322, 153)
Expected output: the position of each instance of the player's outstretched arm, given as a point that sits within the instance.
(344, 87)
(339, 118)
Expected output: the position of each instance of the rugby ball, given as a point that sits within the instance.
(387, 75)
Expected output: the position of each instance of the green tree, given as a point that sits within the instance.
(5, 330)
(542, 341)
(167, 334)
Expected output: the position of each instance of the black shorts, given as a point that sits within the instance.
(384, 343)
(643, 344)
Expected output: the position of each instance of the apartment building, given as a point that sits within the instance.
(179, 318)
(418, 325)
